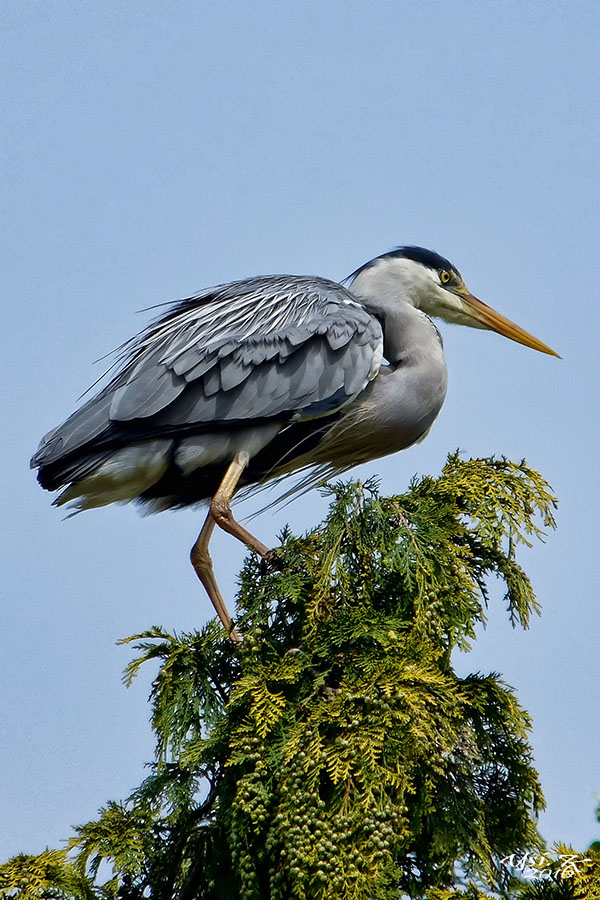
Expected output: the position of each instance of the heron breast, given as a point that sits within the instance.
(393, 412)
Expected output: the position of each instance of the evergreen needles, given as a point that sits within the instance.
(336, 753)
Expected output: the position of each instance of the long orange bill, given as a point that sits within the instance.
(493, 320)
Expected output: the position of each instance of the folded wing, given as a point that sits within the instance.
(264, 350)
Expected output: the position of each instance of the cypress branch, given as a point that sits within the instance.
(336, 752)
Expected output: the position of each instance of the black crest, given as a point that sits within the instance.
(418, 254)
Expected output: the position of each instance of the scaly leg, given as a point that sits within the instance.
(220, 514)
(202, 563)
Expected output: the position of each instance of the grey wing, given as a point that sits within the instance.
(266, 348)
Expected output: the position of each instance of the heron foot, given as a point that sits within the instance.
(271, 562)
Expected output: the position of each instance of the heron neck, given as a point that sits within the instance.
(409, 335)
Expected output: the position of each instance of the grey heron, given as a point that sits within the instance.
(250, 381)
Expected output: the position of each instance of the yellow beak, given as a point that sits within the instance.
(489, 318)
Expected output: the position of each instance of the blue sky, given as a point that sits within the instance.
(155, 148)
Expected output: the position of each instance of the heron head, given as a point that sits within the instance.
(432, 284)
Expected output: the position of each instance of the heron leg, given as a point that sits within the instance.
(220, 514)
(202, 563)
(220, 506)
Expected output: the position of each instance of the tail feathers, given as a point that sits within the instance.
(112, 476)
(75, 468)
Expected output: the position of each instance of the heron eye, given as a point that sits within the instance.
(445, 276)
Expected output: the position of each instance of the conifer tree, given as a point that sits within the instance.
(336, 753)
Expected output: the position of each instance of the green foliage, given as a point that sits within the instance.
(595, 845)
(336, 753)
(566, 875)
(49, 875)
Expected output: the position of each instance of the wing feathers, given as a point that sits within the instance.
(146, 395)
(280, 346)
(233, 372)
(82, 427)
